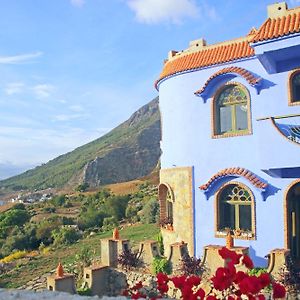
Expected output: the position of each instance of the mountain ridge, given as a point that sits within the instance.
(129, 151)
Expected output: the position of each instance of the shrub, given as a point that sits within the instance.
(13, 256)
(65, 235)
(82, 187)
(150, 212)
(109, 223)
(84, 292)
(59, 200)
(129, 260)
(49, 209)
(160, 241)
(161, 265)
(191, 266)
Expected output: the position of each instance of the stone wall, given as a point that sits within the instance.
(180, 181)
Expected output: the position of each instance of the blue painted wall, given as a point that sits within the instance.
(187, 141)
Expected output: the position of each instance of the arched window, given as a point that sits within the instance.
(235, 208)
(232, 111)
(294, 88)
(166, 200)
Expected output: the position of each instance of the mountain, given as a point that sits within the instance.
(8, 169)
(129, 151)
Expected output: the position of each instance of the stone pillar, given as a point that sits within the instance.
(178, 252)
(61, 282)
(109, 252)
(213, 260)
(96, 278)
(277, 261)
(112, 248)
(148, 251)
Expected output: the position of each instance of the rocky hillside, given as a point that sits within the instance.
(129, 151)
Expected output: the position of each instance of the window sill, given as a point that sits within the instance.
(243, 235)
(232, 134)
(294, 103)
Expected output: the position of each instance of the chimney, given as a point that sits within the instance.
(277, 10)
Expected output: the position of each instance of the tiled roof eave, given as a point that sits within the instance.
(275, 39)
(159, 81)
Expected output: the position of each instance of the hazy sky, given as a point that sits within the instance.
(71, 70)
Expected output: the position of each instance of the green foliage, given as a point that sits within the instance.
(65, 235)
(90, 218)
(84, 292)
(49, 209)
(161, 265)
(84, 257)
(14, 217)
(45, 228)
(160, 241)
(116, 206)
(82, 187)
(150, 211)
(59, 200)
(257, 271)
(109, 223)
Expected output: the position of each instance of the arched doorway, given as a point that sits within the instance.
(293, 220)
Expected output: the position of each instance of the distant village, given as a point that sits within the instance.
(33, 197)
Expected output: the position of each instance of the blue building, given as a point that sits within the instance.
(231, 140)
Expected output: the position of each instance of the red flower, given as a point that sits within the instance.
(260, 297)
(163, 288)
(230, 298)
(223, 279)
(194, 280)
(138, 286)
(162, 278)
(178, 281)
(264, 279)
(250, 285)
(200, 294)
(227, 254)
(240, 276)
(211, 297)
(278, 291)
(247, 262)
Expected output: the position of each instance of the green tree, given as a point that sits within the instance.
(150, 211)
(65, 235)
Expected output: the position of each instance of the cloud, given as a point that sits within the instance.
(43, 90)
(21, 58)
(77, 3)
(76, 108)
(14, 88)
(69, 117)
(156, 11)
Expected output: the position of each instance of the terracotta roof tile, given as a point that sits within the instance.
(235, 172)
(278, 27)
(206, 57)
(252, 80)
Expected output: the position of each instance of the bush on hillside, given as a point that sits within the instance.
(150, 211)
(65, 235)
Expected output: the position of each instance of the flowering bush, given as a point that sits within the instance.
(227, 283)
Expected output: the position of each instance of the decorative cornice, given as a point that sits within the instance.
(247, 75)
(235, 172)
